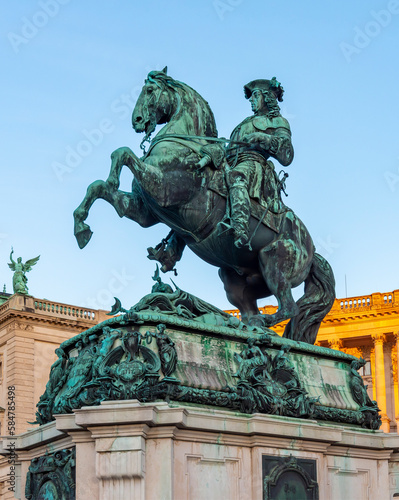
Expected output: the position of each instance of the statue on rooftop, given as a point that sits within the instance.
(19, 279)
(221, 198)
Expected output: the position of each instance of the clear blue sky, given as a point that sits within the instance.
(67, 70)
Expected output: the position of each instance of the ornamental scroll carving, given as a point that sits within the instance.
(289, 477)
(52, 476)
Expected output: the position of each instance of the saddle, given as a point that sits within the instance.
(264, 190)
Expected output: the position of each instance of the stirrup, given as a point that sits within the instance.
(224, 227)
(241, 237)
(241, 241)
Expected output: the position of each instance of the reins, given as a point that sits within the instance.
(196, 139)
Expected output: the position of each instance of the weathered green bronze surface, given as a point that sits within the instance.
(174, 346)
(52, 476)
(19, 279)
(222, 198)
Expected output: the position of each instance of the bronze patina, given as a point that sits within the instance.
(19, 279)
(222, 198)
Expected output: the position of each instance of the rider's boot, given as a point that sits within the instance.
(240, 213)
(168, 252)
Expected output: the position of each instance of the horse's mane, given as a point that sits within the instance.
(191, 102)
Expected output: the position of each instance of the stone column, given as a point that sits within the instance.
(395, 361)
(372, 363)
(379, 340)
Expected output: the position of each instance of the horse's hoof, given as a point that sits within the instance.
(261, 320)
(83, 235)
(257, 320)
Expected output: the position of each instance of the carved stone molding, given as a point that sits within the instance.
(336, 344)
(289, 477)
(366, 351)
(24, 326)
(354, 351)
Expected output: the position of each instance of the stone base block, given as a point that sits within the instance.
(160, 451)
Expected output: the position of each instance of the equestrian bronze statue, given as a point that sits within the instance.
(222, 198)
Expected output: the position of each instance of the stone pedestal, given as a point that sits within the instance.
(176, 400)
(159, 451)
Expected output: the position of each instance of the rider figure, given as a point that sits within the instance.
(261, 136)
(267, 134)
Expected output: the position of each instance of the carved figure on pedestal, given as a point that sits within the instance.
(173, 185)
(358, 389)
(166, 351)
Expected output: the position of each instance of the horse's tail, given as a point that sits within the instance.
(315, 303)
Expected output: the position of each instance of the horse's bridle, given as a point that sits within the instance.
(147, 137)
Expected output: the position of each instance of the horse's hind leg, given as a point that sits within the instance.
(277, 263)
(239, 293)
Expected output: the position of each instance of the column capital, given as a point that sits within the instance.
(366, 351)
(396, 335)
(336, 344)
(379, 338)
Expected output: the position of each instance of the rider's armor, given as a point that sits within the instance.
(243, 161)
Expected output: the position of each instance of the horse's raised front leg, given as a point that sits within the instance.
(119, 158)
(82, 230)
(108, 191)
(128, 205)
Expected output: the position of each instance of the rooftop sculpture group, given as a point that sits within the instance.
(222, 198)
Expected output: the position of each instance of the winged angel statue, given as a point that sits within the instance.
(19, 280)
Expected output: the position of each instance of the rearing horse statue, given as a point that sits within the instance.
(173, 185)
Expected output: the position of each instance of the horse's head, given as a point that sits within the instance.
(163, 99)
(154, 104)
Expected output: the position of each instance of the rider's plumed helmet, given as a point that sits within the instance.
(266, 86)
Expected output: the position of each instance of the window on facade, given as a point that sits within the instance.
(366, 369)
